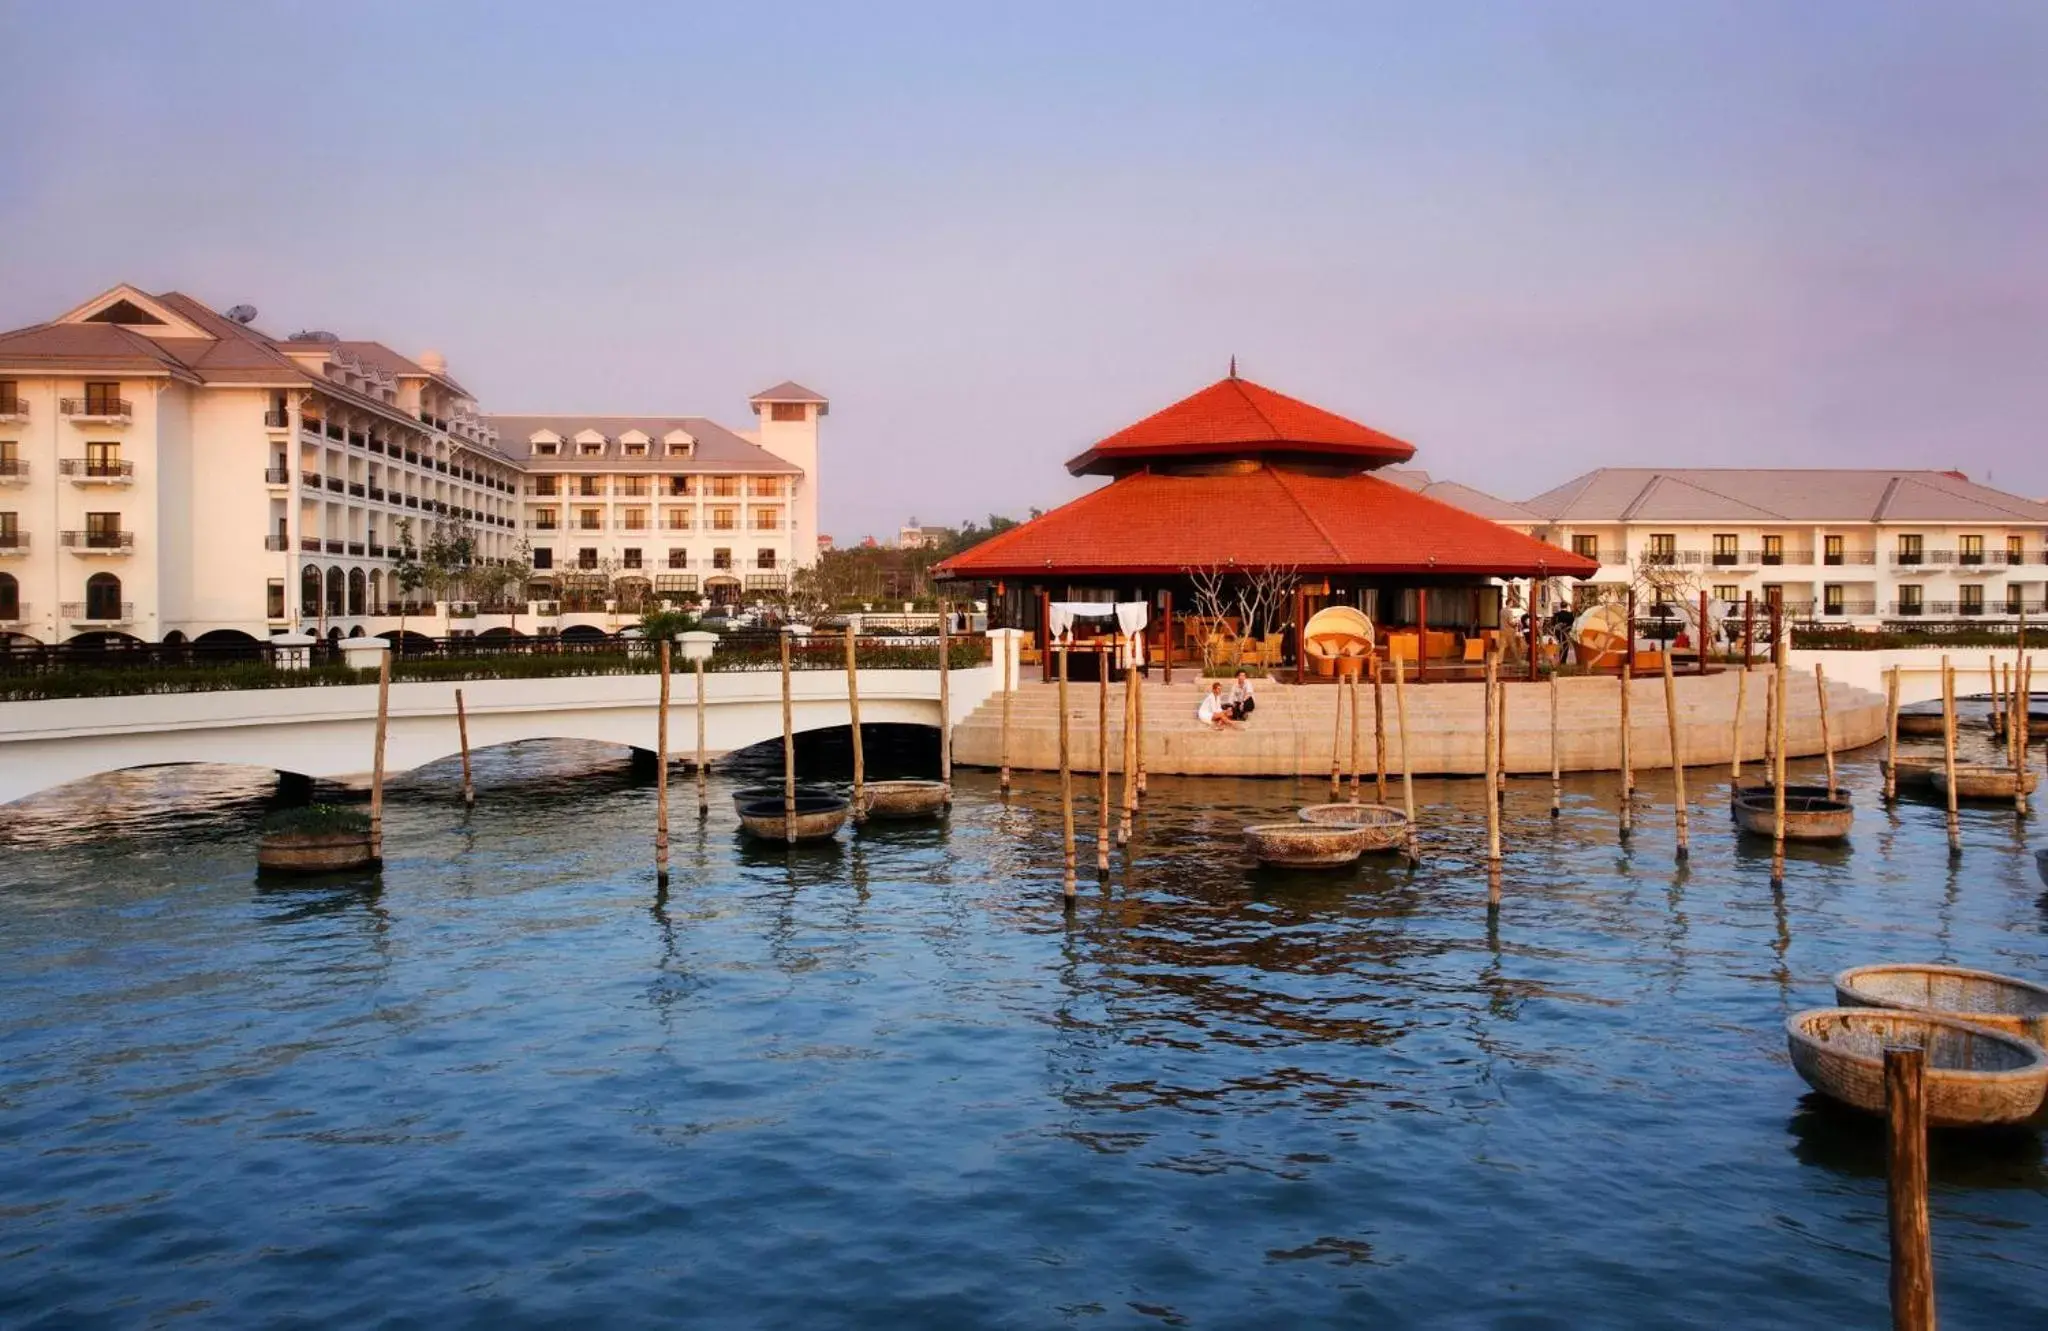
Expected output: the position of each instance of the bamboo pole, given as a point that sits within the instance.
(660, 774)
(1912, 1249)
(1379, 738)
(1102, 764)
(1827, 744)
(377, 762)
(1407, 766)
(1130, 755)
(1891, 733)
(1003, 782)
(1778, 673)
(1748, 630)
(1735, 741)
(1351, 685)
(1492, 784)
(703, 778)
(1628, 774)
(462, 733)
(1677, 762)
(1556, 771)
(788, 750)
(860, 765)
(1336, 741)
(1500, 737)
(1948, 746)
(945, 700)
(1140, 744)
(1066, 780)
(2023, 723)
(1770, 730)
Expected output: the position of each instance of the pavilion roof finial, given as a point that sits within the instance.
(1233, 366)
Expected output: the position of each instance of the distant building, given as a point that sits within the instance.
(914, 537)
(824, 542)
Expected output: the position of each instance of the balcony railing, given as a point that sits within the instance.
(412, 501)
(13, 409)
(310, 543)
(13, 542)
(336, 547)
(87, 612)
(1909, 558)
(94, 469)
(1777, 558)
(1909, 608)
(356, 489)
(355, 548)
(277, 475)
(377, 493)
(97, 408)
(336, 484)
(1974, 558)
(1849, 557)
(277, 541)
(13, 469)
(97, 540)
(376, 550)
(277, 419)
(311, 479)
(1847, 608)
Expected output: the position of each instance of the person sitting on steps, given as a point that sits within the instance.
(1214, 712)
(1241, 703)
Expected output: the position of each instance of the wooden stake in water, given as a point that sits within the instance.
(1948, 746)
(1336, 739)
(2022, 724)
(1130, 756)
(1003, 783)
(703, 777)
(860, 766)
(660, 775)
(1628, 770)
(1770, 730)
(1556, 770)
(1677, 761)
(788, 750)
(377, 762)
(1102, 764)
(1141, 742)
(1066, 780)
(1379, 739)
(462, 733)
(1891, 733)
(1492, 783)
(1735, 741)
(1779, 672)
(1351, 685)
(945, 700)
(1827, 743)
(1407, 767)
(1912, 1248)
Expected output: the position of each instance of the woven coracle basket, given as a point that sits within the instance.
(1983, 783)
(1304, 845)
(2017, 1007)
(1976, 1077)
(1381, 828)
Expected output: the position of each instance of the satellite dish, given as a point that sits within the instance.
(314, 335)
(243, 314)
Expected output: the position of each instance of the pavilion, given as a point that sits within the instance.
(1251, 484)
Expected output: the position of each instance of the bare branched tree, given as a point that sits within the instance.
(1263, 595)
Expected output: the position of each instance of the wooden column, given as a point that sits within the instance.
(860, 803)
(1735, 740)
(1489, 731)
(1748, 628)
(703, 777)
(1336, 740)
(1300, 626)
(1407, 764)
(1912, 1248)
(660, 774)
(1820, 687)
(1351, 685)
(1948, 747)
(377, 760)
(1379, 737)
(1044, 635)
(1703, 634)
(1891, 733)
(1532, 631)
(946, 698)
(1130, 754)
(1166, 640)
(788, 749)
(1066, 780)
(462, 734)
(1629, 652)
(1779, 670)
(1677, 760)
(1628, 775)
(1003, 782)
(1556, 772)
(1139, 746)
(1101, 763)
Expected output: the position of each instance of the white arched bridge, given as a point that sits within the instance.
(329, 731)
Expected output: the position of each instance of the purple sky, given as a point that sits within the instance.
(1530, 239)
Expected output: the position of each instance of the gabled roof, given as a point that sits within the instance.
(789, 390)
(717, 448)
(1236, 417)
(1464, 496)
(1150, 523)
(1738, 494)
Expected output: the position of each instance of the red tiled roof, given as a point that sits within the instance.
(1237, 416)
(1154, 523)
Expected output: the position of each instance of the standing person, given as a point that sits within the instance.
(1214, 711)
(1241, 703)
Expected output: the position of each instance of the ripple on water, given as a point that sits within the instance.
(889, 1082)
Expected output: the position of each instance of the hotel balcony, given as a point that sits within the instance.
(13, 471)
(277, 419)
(277, 541)
(1777, 558)
(336, 484)
(1860, 557)
(1848, 609)
(13, 409)
(98, 542)
(277, 475)
(13, 543)
(310, 544)
(85, 471)
(97, 410)
(336, 547)
(85, 612)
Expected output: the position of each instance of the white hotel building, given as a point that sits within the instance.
(169, 473)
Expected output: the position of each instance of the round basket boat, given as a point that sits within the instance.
(906, 799)
(1924, 725)
(1982, 783)
(2016, 1007)
(1387, 827)
(818, 817)
(1912, 773)
(1807, 817)
(1761, 790)
(1299, 845)
(1976, 1077)
(755, 794)
(314, 852)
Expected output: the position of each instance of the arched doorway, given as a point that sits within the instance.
(103, 597)
(227, 645)
(337, 591)
(723, 590)
(309, 592)
(358, 592)
(584, 633)
(10, 598)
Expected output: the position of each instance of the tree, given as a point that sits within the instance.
(408, 574)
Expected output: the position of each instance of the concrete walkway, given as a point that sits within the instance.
(1292, 731)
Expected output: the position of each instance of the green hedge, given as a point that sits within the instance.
(1873, 640)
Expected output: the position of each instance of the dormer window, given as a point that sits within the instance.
(547, 450)
(590, 450)
(679, 443)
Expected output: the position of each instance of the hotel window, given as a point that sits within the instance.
(1831, 599)
(102, 399)
(543, 557)
(591, 450)
(764, 487)
(764, 558)
(679, 450)
(635, 450)
(1972, 602)
(1727, 548)
(679, 559)
(1586, 547)
(636, 519)
(589, 519)
(1663, 549)
(721, 558)
(1910, 551)
(631, 485)
(102, 458)
(2015, 598)
(10, 461)
(544, 485)
(767, 519)
(1831, 548)
(679, 485)
(1970, 549)
(1727, 591)
(725, 519)
(10, 597)
(10, 533)
(1909, 599)
(1774, 549)
(2015, 549)
(10, 397)
(547, 450)
(725, 487)
(586, 558)
(544, 519)
(786, 411)
(273, 598)
(102, 530)
(632, 557)
(589, 486)
(676, 519)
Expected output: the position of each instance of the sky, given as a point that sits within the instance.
(1530, 239)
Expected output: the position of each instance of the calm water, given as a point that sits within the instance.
(889, 1084)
